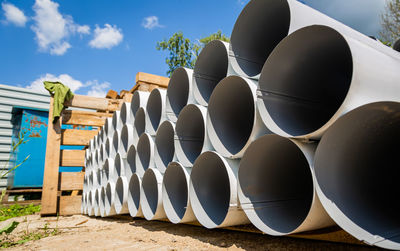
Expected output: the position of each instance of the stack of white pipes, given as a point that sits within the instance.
(291, 126)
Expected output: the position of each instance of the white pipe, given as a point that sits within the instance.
(98, 173)
(232, 119)
(121, 196)
(83, 203)
(357, 174)
(99, 137)
(139, 125)
(96, 207)
(133, 200)
(276, 188)
(115, 144)
(108, 171)
(144, 158)
(109, 148)
(210, 68)
(116, 121)
(130, 168)
(108, 129)
(95, 145)
(191, 134)
(90, 211)
(94, 183)
(328, 77)
(139, 99)
(213, 191)
(125, 114)
(175, 194)
(102, 201)
(155, 110)
(91, 145)
(109, 202)
(164, 148)
(103, 154)
(179, 92)
(151, 195)
(119, 166)
(126, 139)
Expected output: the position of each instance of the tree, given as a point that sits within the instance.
(183, 52)
(391, 22)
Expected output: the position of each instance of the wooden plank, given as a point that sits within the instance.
(70, 205)
(72, 158)
(127, 97)
(112, 94)
(152, 79)
(77, 137)
(23, 202)
(27, 190)
(71, 181)
(51, 165)
(73, 117)
(96, 103)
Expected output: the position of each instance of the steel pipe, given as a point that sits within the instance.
(103, 154)
(232, 120)
(108, 172)
(175, 194)
(210, 68)
(139, 125)
(121, 196)
(179, 92)
(139, 99)
(133, 200)
(155, 110)
(96, 207)
(99, 137)
(130, 167)
(108, 129)
(102, 201)
(90, 203)
(119, 166)
(83, 203)
(213, 191)
(276, 188)
(126, 139)
(125, 114)
(192, 138)
(114, 149)
(307, 85)
(109, 202)
(151, 195)
(164, 149)
(144, 158)
(356, 171)
(116, 121)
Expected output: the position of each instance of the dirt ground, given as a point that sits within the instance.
(83, 233)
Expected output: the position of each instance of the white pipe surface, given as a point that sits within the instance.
(126, 139)
(83, 203)
(109, 202)
(175, 194)
(213, 191)
(357, 174)
(164, 146)
(90, 211)
(139, 125)
(179, 92)
(108, 172)
(116, 121)
(151, 195)
(144, 158)
(155, 110)
(133, 200)
(130, 167)
(108, 129)
(139, 99)
(125, 114)
(96, 207)
(115, 144)
(121, 196)
(102, 201)
(119, 166)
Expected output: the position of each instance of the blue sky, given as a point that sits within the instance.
(95, 45)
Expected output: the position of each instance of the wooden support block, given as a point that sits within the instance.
(128, 97)
(123, 93)
(70, 205)
(152, 79)
(72, 158)
(77, 137)
(74, 117)
(112, 94)
(71, 181)
(95, 103)
(143, 87)
(51, 166)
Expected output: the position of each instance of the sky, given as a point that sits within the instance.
(97, 45)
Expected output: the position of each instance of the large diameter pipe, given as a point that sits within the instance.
(232, 120)
(83, 203)
(109, 202)
(276, 188)
(90, 210)
(175, 194)
(210, 68)
(192, 138)
(213, 191)
(119, 166)
(357, 174)
(96, 207)
(126, 139)
(125, 114)
(151, 195)
(103, 155)
(108, 172)
(307, 86)
(144, 158)
(139, 125)
(164, 146)
(108, 129)
(155, 110)
(102, 201)
(115, 146)
(99, 137)
(130, 167)
(116, 121)
(139, 99)
(133, 200)
(121, 196)
(179, 92)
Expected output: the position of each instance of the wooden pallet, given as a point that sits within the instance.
(23, 191)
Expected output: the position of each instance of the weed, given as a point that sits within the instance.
(16, 210)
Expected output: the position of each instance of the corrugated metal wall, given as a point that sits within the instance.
(15, 96)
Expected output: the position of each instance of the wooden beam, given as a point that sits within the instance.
(72, 158)
(152, 79)
(112, 94)
(51, 165)
(70, 205)
(71, 181)
(88, 102)
(74, 117)
(127, 97)
(77, 137)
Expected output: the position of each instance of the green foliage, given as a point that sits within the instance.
(8, 229)
(17, 210)
(215, 36)
(15, 144)
(390, 20)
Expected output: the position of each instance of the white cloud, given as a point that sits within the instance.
(53, 29)
(151, 22)
(107, 37)
(98, 89)
(14, 15)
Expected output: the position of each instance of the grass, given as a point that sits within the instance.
(16, 210)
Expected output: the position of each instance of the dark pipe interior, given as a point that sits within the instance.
(164, 142)
(125, 138)
(115, 141)
(211, 67)
(150, 189)
(107, 201)
(124, 109)
(176, 187)
(134, 191)
(140, 121)
(119, 193)
(259, 28)
(357, 167)
(275, 175)
(154, 108)
(211, 184)
(131, 157)
(115, 120)
(117, 164)
(178, 90)
(135, 103)
(231, 110)
(143, 151)
(306, 79)
(190, 130)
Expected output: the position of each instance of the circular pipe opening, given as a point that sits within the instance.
(231, 114)
(303, 88)
(96, 202)
(190, 130)
(119, 166)
(356, 168)
(259, 28)
(139, 99)
(89, 205)
(108, 128)
(116, 120)
(126, 138)
(211, 67)
(109, 198)
(144, 153)
(108, 171)
(164, 145)
(125, 113)
(119, 195)
(150, 192)
(178, 90)
(155, 108)
(134, 195)
(140, 121)
(115, 142)
(209, 183)
(275, 184)
(130, 169)
(102, 200)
